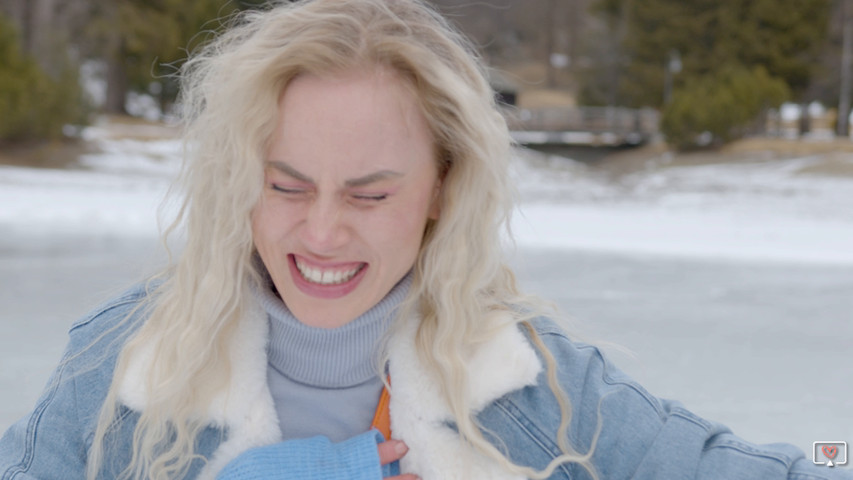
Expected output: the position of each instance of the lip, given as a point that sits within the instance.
(323, 291)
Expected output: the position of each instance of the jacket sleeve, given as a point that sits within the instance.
(52, 441)
(629, 433)
(49, 442)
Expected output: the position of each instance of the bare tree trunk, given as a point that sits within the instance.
(846, 57)
(617, 67)
(34, 19)
(49, 44)
(116, 81)
(28, 29)
(551, 22)
(20, 13)
(575, 25)
(116, 73)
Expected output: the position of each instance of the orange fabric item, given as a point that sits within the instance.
(382, 417)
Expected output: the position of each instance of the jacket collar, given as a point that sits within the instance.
(419, 414)
(421, 417)
(245, 409)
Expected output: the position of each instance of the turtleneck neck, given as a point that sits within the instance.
(329, 358)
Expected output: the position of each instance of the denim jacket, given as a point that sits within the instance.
(630, 433)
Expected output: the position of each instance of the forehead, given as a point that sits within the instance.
(368, 115)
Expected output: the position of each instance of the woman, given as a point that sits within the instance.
(345, 192)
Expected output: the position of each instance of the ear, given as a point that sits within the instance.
(435, 206)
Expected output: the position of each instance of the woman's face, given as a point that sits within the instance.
(350, 181)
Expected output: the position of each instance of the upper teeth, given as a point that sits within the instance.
(326, 277)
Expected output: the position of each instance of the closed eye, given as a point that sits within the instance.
(374, 198)
(287, 190)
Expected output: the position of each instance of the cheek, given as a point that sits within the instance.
(269, 224)
(260, 236)
(402, 227)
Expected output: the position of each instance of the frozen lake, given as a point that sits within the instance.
(763, 348)
(731, 284)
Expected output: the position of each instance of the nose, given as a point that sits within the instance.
(324, 228)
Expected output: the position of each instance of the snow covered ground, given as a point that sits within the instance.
(730, 283)
(761, 210)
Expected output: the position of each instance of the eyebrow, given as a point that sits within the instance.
(287, 169)
(354, 182)
(372, 178)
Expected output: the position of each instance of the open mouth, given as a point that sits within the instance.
(327, 276)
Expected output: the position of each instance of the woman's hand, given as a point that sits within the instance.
(391, 451)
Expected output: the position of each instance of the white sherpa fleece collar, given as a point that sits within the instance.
(419, 414)
(245, 408)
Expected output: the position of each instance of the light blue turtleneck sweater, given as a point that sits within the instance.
(324, 381)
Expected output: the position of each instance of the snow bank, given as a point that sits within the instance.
(761, 210)
(115, 192)
(758, 211)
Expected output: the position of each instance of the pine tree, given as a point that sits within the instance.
(144, 41)
(34, 104)
(783, 36)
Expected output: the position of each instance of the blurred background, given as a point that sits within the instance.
(707, 67)
(685, 172)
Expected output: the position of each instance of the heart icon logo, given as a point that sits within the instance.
(830, 451)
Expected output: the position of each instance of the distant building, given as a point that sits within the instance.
(793, 121)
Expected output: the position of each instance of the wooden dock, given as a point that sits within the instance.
(588, 126)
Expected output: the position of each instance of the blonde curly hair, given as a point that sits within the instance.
(229, 100)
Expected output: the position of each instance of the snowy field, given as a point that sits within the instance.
(730, 284)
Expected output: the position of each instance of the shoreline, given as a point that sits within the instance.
(835, 154)
(833, 158)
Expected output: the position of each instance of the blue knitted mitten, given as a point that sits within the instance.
(314, 458)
